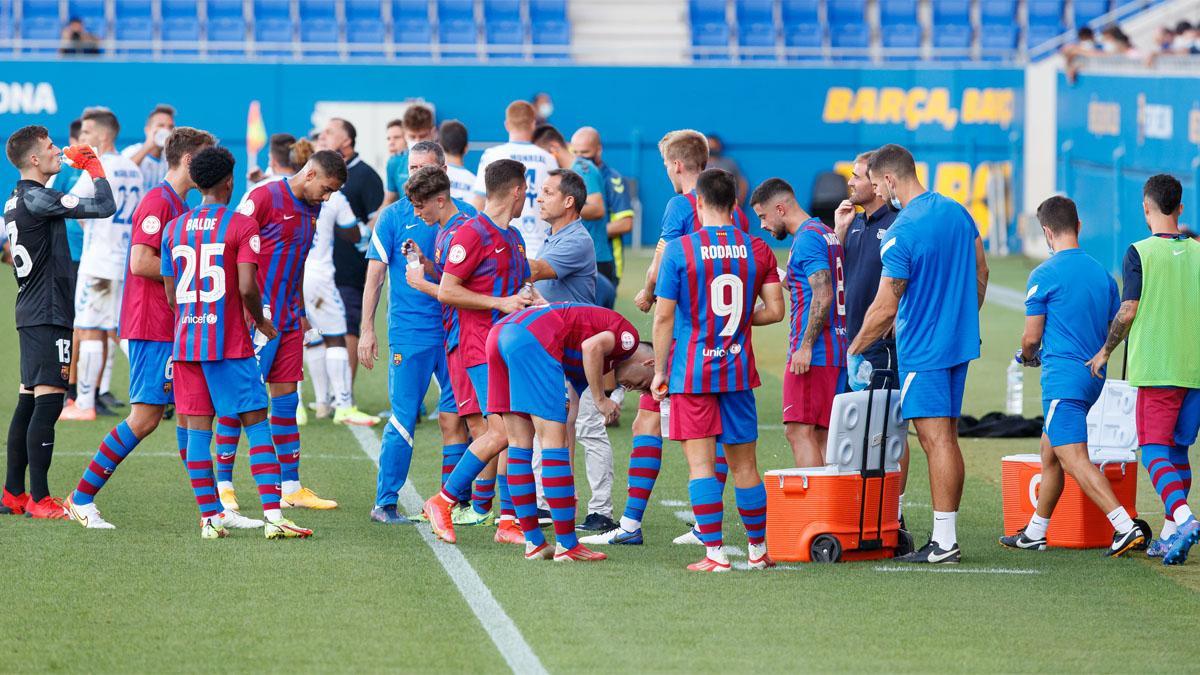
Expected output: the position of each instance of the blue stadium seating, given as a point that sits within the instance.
(846, 12)
(133, 9)
(179, 9)
(998, 42)
(951, 13)
(851, 36)
(800, 13)
(139, 29)
(357, 10)
(458, 32)
(997, 13)
(503, 29)
(229, 30)
(319, 37)
(273, 30)
(39, 9)
(412, 32)
(181, 36)
(1047, 13)
(92, 13)
(1037, 35)
(273, 9)
(902, 36)
(898, 13)
(549, 28)
(806, 36)
(1086, 10)
(225, 9)
(952, 37)
(44, 29)
(710, 30)
(756, 29)
(6, 20)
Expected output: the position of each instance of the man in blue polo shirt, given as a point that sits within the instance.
(932, 286)
(1069, 303)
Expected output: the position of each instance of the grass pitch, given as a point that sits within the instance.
(151, 596)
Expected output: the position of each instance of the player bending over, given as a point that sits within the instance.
(529, 355)
(1069, 303)
(708, 286)
(210, 261)
(35, 224)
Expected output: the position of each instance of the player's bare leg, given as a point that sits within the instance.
(939, 438)
(808, 443)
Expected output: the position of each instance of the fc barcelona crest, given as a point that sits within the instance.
(397, 358)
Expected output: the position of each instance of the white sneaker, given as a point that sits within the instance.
(235, 520)
(87, 515)
(301, 416)
(691, 537)
(757, 558)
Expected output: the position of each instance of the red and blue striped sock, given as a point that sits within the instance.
(707, 509)
(181, 441)
(451, 453)
(228, 431)
(200, 471)
(644, 464)
(506, 505)
(1164, 477)
(483, 494)
(286, 435)
(263, 464)
(752, 507)
(115, 447)
(721, 467)
(1183, 467)
(559, 485)
(524, 493)
(460, 478)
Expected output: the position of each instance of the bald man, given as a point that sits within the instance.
(618, 203)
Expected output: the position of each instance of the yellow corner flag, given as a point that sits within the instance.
(256, 133)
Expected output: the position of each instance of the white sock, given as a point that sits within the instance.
(1120, 520)
(314, 358)
(717, 554)
(91, 362)
(1036, 529)
(900, 509)
(945, 531)
(337, 365)
(224, 485)
(289, 486)
(106, 377)
(272, 515)
(629, 524)
(1168, 529)
(1181, 515)
(756, 551)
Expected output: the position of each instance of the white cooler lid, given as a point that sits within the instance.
(827, 470)
(1022, 458)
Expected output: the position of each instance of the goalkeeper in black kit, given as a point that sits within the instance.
(34, 220)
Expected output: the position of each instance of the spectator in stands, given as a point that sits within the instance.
(618, 203)
(1187, 39)
(364, 190)
(1117, 43)
(415, 126)
(1164, 40)
(717, 159)
(76, 39)
(148, 155)
(543, 105)
(453, 136)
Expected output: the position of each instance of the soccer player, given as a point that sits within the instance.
(530, 353)
(286, 212)
(708, 287)
(416, 338)
(520, 121)
(279, 165)
(210, 257)
(102, 265)
(585, 142)
(486, 268)
(416, 126)
(41, 259)
(1069, 302)
(1160, 316)
(452, 134)
(932, 286)
(817, 334)
(146, 323)
(149, 155)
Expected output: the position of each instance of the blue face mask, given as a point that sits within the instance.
(896, 203)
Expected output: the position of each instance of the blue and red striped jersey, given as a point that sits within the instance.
(562, 327)
(815, 248)
(286, 225)
(201, 250)
(682, 216)
(715, 277)
(441, 249)
(490, 261)
(145, 314)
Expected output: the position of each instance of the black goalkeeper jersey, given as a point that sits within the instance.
(34, 220)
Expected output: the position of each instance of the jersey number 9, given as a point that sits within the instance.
(731, 308)
(208, 269)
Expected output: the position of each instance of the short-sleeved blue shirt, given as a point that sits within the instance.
(570, 253)
(593, 180)
(1079, 299)
(932, 245)
(397, 172)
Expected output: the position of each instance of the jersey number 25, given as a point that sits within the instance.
(185, 293)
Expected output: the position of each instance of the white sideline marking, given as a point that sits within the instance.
(739, 565)
(672, 502)
(957, 570)
(1006, 297)
(499, 626)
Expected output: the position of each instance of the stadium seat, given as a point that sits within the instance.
(842, 12)
(457, 31)
(549, 29)
(955, 39)
(365, 32)
(902, 36)
(754, 11)
(951, 13)
(854, 36)
(898, 12)
(997, 13)
(1045, 13)
(1087, 10)
(800, 13)
(44, 29)
(180, 9)
(225, 9)
(229, 30)
(707, 11)
(710, 30)
(276, 33)
(358, 10)
(756, 29)
(997, 43)
(503, 29)
(180, 36)
(39, 9)
(92, 13)
(806, 36)
(321, 9)
(273, 9)
(137, 29)
(133, 9)
(456, 10)
(412, 33)
(1036, 35)
(319, 37)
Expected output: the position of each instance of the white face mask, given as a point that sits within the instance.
(895, 201)
(545, 110)
(161, 136)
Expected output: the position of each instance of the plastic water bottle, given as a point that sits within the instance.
(1016, 389)
(414, 258)
(526, 291)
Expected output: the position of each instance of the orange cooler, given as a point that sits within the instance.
(1077, 522)
(813, 514)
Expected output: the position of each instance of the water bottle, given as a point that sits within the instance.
(526, 291)
(414, 258)
(1016, 389)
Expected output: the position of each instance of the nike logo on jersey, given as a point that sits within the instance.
(500, 250)
(409, 227)
(288, 217)
(1176, 252)
(856, 231)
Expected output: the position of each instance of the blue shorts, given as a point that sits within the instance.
(525, 378)
(479, 382)
(409, 374)
(1066, 421)
(730, 417)
(150, 372)
(227, 388)
(933, 393)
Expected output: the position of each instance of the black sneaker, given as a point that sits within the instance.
(169, 411)
(1024, 542)
(597, 522)
(109, 400)
(544, 519)
(103, 410)
(1125, 541)
(932, 554)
